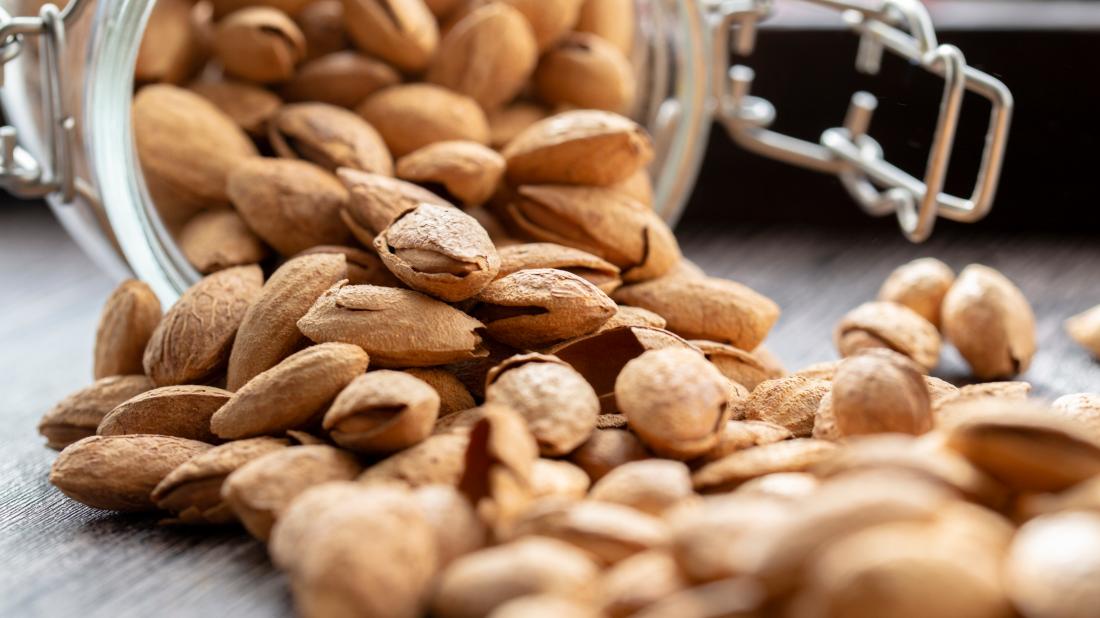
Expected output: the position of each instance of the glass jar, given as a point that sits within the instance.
(81, 65)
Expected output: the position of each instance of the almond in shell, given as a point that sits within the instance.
(214, 240)
(382, 412)
(181, 411)
(343, 78)
(412, 116)
(78, 415)
(467, 171)
(128, 320)
(329, 136)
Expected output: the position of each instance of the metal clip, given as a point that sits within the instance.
(20, 173)
(904, 28)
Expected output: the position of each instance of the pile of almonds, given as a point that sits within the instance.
(481, 380)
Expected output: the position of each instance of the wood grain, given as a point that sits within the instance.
(61, 558)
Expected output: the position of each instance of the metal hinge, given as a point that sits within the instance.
(20, 173)
(905, 28)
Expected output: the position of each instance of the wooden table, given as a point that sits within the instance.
(60, 558)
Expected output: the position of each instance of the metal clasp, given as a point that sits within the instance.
(905, 28)
(20, 173)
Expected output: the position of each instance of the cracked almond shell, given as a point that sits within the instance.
(411, 116)
(79, 414)
(375, 201)
(706, 308)
(269, 331)
(330, 136)
(488, 55)
(538, 307)
(526, 256)
(260, 490)
(888, 325)
(193, 340)
(584, 71)
(117, 473)
(364, 267)
(291, 394)
(880, 391)
(127, 321)
(675, 400)
(468, 171)
(181, 411)
(193, 491)
(496, 477)
(291, 204)
(382, 412)
(736, 364)
(586, 147)
(398, 328)
(401, 32)
(259, 44)
(600, 221)
(439, 250)
(322, 25)
(559, 406)
(990, 322)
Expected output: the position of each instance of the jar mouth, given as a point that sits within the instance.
(673, 58)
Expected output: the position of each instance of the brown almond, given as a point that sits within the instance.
(505, 123)
(709, 308)
(78, 415)
(889, 325)
(880, 391)
(172, 46)
(180, 411)
(269, 331)
(439, 250)
(290, 7)
(127, 321)
(291, 394)
(401, 32)
(1026, 446)
(736, 468)
(734, 363)
(117, 473)
(789, 402)
(399, 328)
(192, 492)
(948, 408)
(329, 136)
(919, 285)
(610, 532)
(741, 435)
(499, 459)
(364, 267)
(548, 605)
(1084, 328)
(214, 240)
(527, 256)
(488, 55)
(250, 106)
(260, 490)
(627, 316)
(600, 357)
(990, 322)
(439, 460)
(292, 205)
(453, 396)
(675, 401)
(259, 44)
(194, 339)
(612, 20)
(587, 72)
(607, 449)
(187, 147)
(322, 26)
(468, 171)
(639, 581)
(382, 412)
(558, 404)
(587, 147)
(537, 307)
(639, 187)
(477, 583)
(650, 486)
(552, 478)
(343, 78)
(550, 19)
(600, 221)
(412, 116)
(377, 201)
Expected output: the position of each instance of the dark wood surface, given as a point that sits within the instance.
(58, 558)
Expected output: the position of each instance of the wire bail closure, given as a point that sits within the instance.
(903, 27)
(20, 172)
